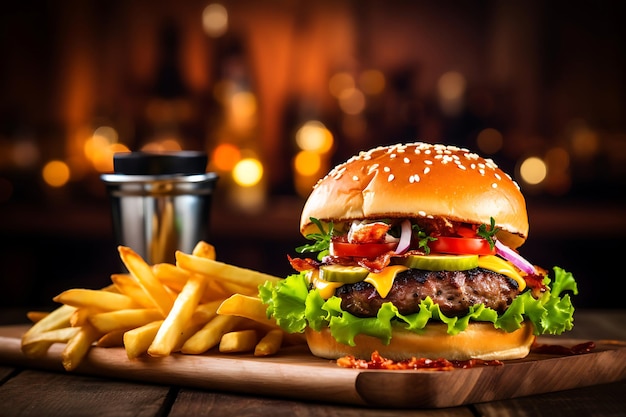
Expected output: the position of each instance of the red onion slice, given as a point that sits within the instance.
(405, 237)
(515, 258)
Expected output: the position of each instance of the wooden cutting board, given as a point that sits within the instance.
(296, 374)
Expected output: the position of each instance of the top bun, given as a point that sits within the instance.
(419, 180)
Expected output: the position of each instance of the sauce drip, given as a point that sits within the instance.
(379, 362)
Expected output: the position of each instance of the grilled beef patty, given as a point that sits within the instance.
(454, 291)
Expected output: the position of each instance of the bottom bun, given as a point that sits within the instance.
(477, 341)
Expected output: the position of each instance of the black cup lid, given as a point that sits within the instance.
(160, 163)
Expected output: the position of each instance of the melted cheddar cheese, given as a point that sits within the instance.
(383, 280)
(499, 265)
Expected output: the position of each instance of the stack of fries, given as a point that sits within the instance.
(190, 307)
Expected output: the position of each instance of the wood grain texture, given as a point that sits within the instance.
(596, 401)
(296, 374)
(75, 395)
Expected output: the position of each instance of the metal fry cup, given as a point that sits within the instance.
(161, 202)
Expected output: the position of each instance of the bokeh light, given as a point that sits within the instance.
(25, 153)
(451, 91)
(307, 163)
(372, 82)
(215, 20)
(225, 156)
(314, 136)
(339, 83)
(100, 147)
(56, 173)
(163, 145)
(533, 170)
(248, 172)
(352, 101)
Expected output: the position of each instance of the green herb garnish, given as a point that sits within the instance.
(423, 239)
(321, 240)
(488, 234)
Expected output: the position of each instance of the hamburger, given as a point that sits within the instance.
(413, 252)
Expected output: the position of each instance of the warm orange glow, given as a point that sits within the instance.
(225, 156)
(243, 110)
(372, 82)
(307, 163)
(103, 161)
(162, 145)
(533, 170)
(314, 136)
(557, 159)
(340, 82)
(56, 173)
(108, 133)
(100, 147)
(215, 20)
(352, 101)
(25, 153)
(248, 172)
(451, 90)
(451, 85)
(585, 142)
(354, 126)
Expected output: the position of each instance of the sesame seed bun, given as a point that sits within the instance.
(419, 180)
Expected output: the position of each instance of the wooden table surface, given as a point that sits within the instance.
(29, 392)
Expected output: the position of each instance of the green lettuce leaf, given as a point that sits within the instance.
(295, 307)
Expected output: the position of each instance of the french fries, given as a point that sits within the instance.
(189, 307)
(167, 337)
(269, 344)
(95, 299)
(142, 272)
(240, 341)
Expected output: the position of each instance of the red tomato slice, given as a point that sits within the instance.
(461, 245)
(360, 250)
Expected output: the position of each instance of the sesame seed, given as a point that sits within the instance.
(386, 169)
(390, 177)
(461, 166)
(355, 177)
(421, 213)
(428, 162)
(426, 170)
(392, 156)
(494, 185)
(498, 176)
(482, 171)
(406, 160)
(414, 178)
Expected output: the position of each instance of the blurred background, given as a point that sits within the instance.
(279, 91)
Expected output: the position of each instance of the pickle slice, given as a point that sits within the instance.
(442, 262)
(345, 274)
